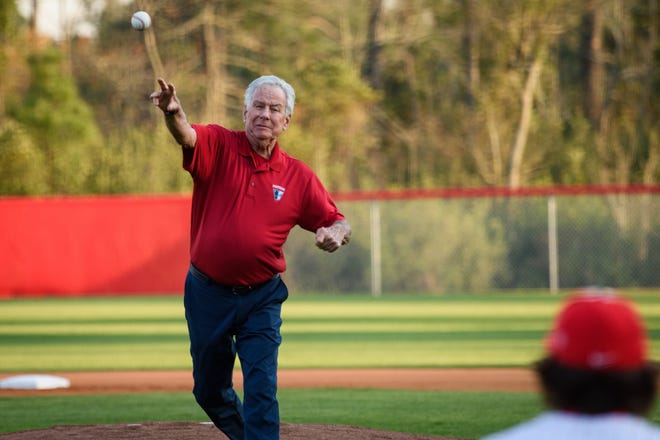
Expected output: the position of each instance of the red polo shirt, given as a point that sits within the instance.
(243, 208)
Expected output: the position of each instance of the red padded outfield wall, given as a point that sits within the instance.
(96, 245)
(72, 246)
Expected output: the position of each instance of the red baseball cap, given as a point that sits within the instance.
(597, 329)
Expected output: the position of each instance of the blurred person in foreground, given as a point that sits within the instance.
(596, 378)
(247, 196)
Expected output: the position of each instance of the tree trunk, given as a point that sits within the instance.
(33, 18)
(152, 53)
(214, 54)
(522, 133)
(371, 66)
(592, 56)
(471, 50)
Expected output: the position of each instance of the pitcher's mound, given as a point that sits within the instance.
(204, 431)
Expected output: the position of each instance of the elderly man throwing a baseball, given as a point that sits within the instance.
(248, 194)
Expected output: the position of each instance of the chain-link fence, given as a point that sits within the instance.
(483, 243)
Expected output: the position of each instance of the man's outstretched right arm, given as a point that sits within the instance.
(175, 118)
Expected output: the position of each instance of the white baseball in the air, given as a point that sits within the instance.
(140, 20)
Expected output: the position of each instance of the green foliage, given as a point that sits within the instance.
(442, 104)
(601, 241)
(434, 246)
(139, 161)
(334, 115)
(9, 21)
(322, 272)
(61, 126)
(598, 250)
(456, 237)
(24, 169)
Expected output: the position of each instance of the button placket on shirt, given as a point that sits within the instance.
(252, 185)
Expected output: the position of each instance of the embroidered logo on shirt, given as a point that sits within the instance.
(278, 192)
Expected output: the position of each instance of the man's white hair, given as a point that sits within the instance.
(271, 80)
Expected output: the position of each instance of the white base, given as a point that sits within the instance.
(34, 382)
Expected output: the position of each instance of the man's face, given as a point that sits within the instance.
(265, 118)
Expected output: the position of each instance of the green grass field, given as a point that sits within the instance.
(45, 335)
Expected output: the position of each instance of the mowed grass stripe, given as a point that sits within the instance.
(403, 354)
(95, 329)
(96, 357)
(432, 413)
(460, 415)
(416, 309)
(88, 309)
(292, 326)
(330, 330)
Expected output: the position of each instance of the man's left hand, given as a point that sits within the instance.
(333, 237)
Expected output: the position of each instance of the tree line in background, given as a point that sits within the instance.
(391, 93)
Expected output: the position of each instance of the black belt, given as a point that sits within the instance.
(235, 289)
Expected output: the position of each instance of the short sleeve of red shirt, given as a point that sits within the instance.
(319, 209)
(242, 211)
(211, 141)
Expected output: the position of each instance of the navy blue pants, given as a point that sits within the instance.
(221, 325)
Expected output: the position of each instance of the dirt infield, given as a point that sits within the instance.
(206, 431)
(495, 379)
(450, 379)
